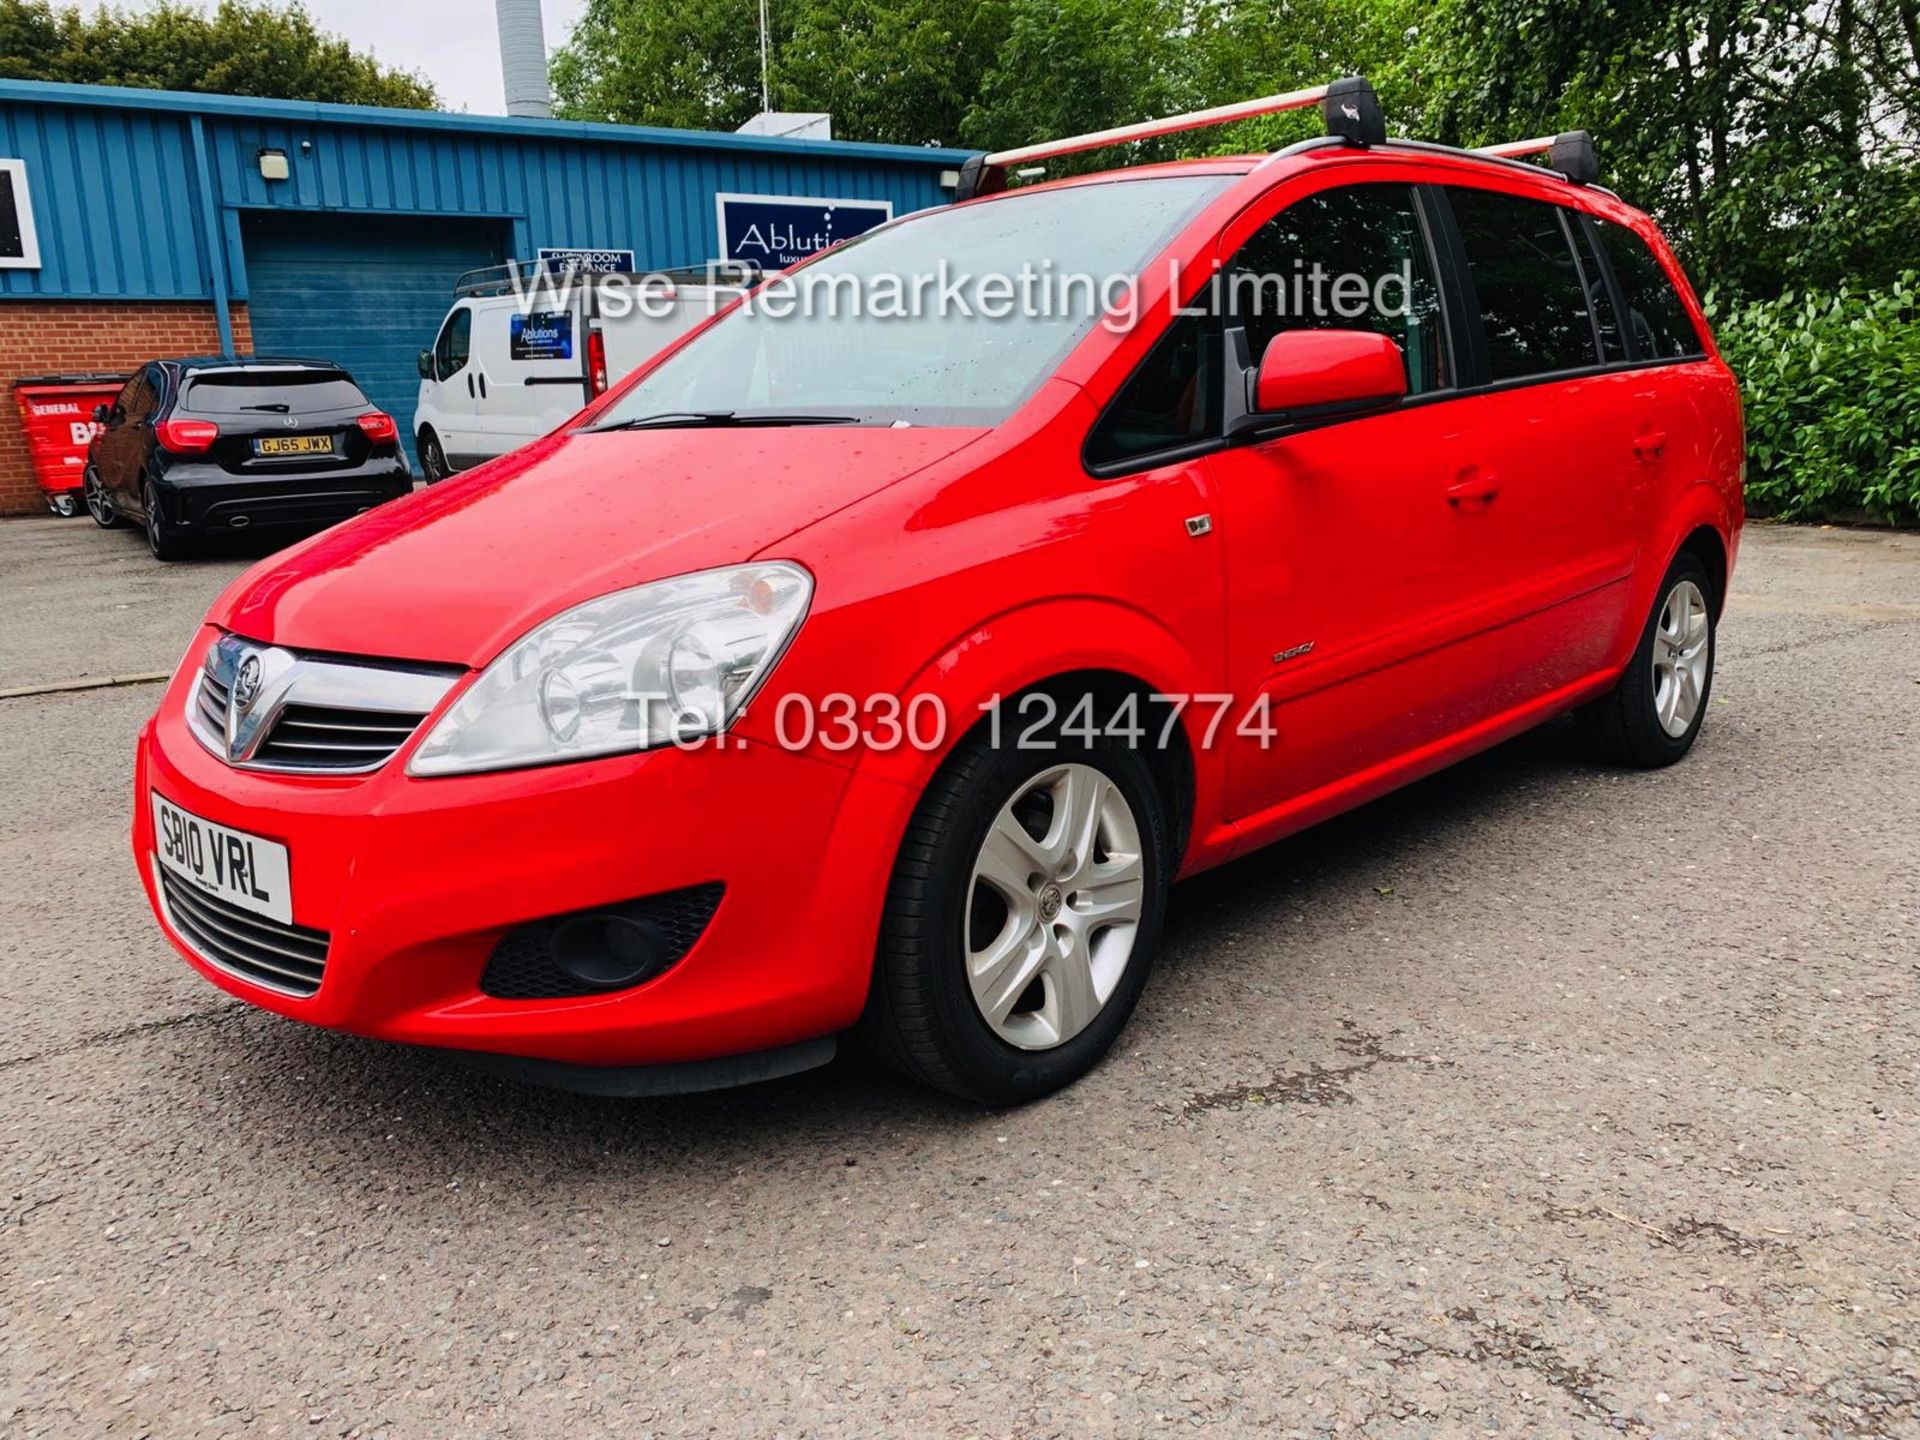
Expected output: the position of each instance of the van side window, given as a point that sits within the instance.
(450, 351)
(1656, 318)
(1173, 399)
(1354, 258)
(1522, 268)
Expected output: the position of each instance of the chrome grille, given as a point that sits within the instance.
(319, 737)
(210, 703)
(288, 958)
(263, 707)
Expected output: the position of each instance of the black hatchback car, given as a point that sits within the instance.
(202, 447)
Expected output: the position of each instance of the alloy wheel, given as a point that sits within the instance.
(1682, 656)
(1054, 906)
(98, 505)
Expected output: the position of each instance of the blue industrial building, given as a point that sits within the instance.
(338, 231)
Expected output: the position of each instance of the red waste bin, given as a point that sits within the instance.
(57, 413)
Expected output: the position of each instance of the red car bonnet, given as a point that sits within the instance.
(456, 573)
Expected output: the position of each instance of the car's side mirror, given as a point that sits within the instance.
(1306, 374)
(1308, 369)
(103, 414)
(424, 363)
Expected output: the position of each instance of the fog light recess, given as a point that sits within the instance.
(600, 951)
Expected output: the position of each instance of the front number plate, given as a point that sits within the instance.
(249, 871)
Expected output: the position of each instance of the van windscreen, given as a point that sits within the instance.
(277, 392)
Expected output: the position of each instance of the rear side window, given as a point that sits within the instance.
(1606, 315)
(1532, 304)
(1656, 318)
(271, 392)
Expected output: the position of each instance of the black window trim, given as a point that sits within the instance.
(1447, 253)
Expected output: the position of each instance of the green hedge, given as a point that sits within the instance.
(1832, 388)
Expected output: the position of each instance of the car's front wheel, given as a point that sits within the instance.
(1653, 715)
(99, 503)
(1022, 919)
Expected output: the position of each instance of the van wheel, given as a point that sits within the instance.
(1022, 919)
(1651, 718)
(433, 459)
(99, 503)
(162, 538)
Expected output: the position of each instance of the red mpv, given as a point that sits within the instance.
(879, 666)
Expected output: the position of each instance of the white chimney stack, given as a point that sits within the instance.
(523, 58)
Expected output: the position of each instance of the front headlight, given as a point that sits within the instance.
(668, 662)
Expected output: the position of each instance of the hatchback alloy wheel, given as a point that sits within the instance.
(99, 504)
(1054, 907)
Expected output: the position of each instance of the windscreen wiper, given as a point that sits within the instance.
(717, 419)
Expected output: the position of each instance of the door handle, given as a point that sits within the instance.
(1650, 444)
(483, 384)
(1475, 486)
(470, 385)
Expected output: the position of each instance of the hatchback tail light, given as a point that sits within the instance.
(597, 362)
(378, 427)
(187, 437)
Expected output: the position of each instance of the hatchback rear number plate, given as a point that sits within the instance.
(249, 871)
(294, 445)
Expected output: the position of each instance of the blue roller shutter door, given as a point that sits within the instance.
(367, 292)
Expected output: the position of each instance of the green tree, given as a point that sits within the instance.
(904, 71)
(692, 64)
(238, 49)
(1774, 141)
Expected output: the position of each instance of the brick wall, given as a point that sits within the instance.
(45, 337)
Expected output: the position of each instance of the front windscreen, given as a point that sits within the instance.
(949, 317)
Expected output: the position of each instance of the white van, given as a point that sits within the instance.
(522, 351)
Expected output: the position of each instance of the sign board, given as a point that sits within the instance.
(542, 335)
(776, 231)
(558, 260)
(19, 245)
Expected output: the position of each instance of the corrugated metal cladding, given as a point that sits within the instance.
(122, 211)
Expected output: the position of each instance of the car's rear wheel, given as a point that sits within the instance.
(1022, 919)
(162, 538)
(99, 503)
(1653, 715)
(433, 458)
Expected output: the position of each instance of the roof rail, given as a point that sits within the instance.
(1351, 109)
(1571, 154)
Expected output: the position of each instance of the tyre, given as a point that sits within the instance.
(162, 538)
(433, 458)
(99, 503)
(1022, 919)
(1650, 719)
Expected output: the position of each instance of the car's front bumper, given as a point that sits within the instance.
(415, 881)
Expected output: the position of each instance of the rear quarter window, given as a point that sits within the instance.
(267, 392)
(1657, 319)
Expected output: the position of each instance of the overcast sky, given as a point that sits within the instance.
(454, 43)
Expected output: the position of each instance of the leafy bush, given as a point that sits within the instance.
(1832, 388)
